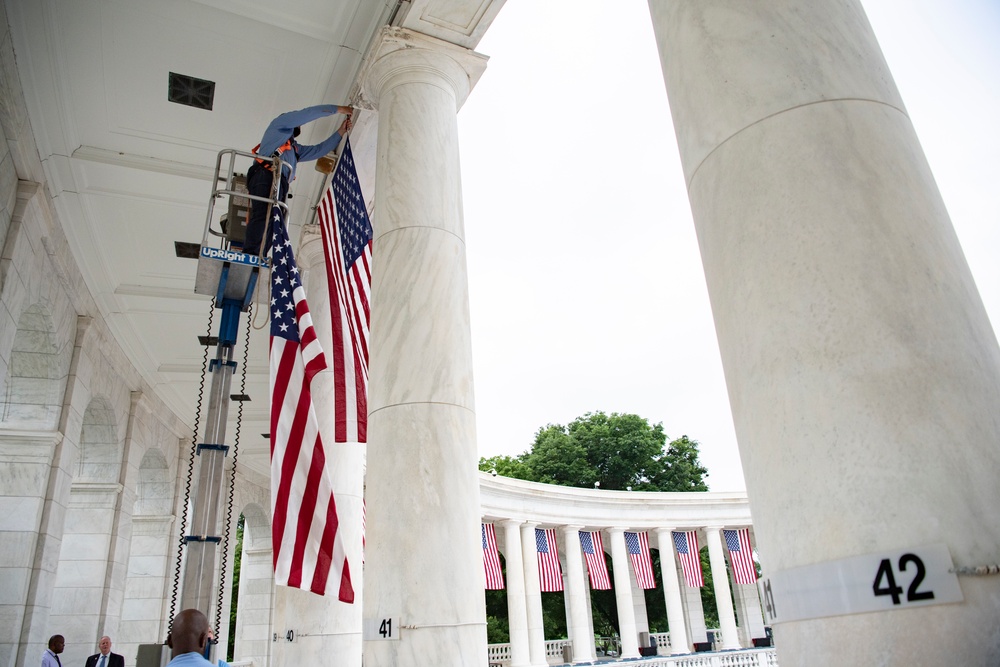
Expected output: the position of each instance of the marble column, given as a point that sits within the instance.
(623, 593)
(860, 362)
(422, 430)
(672, 592)
(324, 625)
(517, 612)
(576, 583)
(720, 580)
(533, 596)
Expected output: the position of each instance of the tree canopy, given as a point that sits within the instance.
(620, 452)
(616, 451)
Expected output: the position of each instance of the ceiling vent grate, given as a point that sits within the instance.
(189, 91)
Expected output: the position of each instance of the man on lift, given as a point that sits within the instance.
(279, 139)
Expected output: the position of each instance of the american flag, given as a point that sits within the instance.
(308, 548)
(740, 555)
(637, 545)
(687, 549)
(593, 550)
(549, 571)
(491, 559)
(347, 241)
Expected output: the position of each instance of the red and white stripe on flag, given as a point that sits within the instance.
(491, 559)
(549, 571)
(308, 548)
(740, 555)
(637, 545)
(687, 550)
(347, 242)
(593, 550)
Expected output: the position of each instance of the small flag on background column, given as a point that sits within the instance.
(637, 545)
(687, 550)
(593, 550)
(740, 555)
(549, 571)
(491, 559)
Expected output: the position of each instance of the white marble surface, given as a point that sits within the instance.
(422, 436)
(863, 372)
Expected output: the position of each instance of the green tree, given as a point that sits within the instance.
(618, 451)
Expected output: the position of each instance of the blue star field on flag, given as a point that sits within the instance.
(284, 280)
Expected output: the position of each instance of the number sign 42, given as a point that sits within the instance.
(885, 580)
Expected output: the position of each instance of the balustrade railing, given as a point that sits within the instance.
(499, 654)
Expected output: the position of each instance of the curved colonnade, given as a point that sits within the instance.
(516, 508)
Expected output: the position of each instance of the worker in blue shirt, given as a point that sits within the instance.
(279, 139)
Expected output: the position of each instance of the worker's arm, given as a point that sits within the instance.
(281, 128)
(319, 150)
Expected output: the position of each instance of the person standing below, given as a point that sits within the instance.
(279, 139)
(105, 658)
(189, 635)
(51, 656)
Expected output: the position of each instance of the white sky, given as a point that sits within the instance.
(585, 276)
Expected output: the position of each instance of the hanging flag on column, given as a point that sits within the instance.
(740, 555)
(347, 242)
(637, 545)
(491, 559)
(308, 547)
(549, 571)
(593, 551)
(687, 549)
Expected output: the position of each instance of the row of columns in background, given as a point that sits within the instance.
(524, 604)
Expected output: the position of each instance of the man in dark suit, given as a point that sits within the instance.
(105, 658)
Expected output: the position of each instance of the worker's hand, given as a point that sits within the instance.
(347, 111)
(345, 127)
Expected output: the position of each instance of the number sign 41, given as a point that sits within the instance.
(877, 582)
(386, 628)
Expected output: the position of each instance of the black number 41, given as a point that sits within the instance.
(885, 580)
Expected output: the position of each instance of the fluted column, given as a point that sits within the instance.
(517, 611)
(623, 593)
(857, 351)
(576, 595)
(421, 426)
(720, 581)
(672, 592)
(323, 624)
(533, 596)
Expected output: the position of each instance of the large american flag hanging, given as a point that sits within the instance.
(491, 559)
(308, 547)
(687, 550)
(740, 555)
(549, 571)
(593, 551)
(637, 545)
(347, 241)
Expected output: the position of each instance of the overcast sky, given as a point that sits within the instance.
(585, 278)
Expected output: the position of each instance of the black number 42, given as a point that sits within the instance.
(885, 580)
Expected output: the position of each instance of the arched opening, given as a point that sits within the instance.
(144, 608)
(254, 591)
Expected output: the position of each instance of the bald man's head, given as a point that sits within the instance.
(188, 634)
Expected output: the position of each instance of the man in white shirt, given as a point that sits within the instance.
(51, 656)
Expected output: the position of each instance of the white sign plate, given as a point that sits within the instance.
(878, 582)
(380, 629)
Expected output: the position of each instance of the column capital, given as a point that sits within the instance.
(401, 56)
(310, 254)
